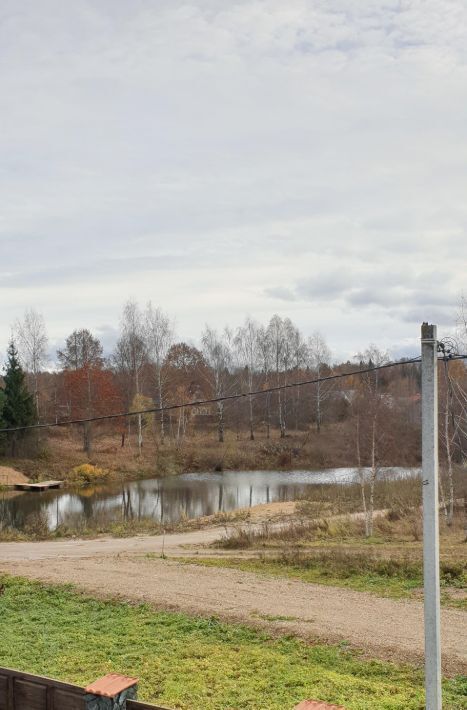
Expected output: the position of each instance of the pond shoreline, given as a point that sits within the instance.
(153, 504)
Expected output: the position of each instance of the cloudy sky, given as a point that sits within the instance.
(234, 157)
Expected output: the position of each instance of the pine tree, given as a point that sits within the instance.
(18, 404)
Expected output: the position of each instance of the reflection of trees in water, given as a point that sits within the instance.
(166, 504)
(15, 511)
(127, 508)
(220, 503)
(164, 500)
(88, 507)
(136, 502)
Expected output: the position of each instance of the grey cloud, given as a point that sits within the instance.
(379, 287)
(185, 130)
(374, 297)
(280, 292)
(89, 271)
(331, 284)
(431, 314)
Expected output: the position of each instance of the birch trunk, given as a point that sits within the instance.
(372, 477)
(252, 433)
(140, 418)
(361, 478)
(220, 425)
(318, 405)
(281, 415)
(268, 416)
(161, 404)
(450, 509)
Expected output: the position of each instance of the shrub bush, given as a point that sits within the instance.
(87, 473)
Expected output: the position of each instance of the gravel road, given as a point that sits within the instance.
(383, 628)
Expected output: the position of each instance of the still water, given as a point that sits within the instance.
(167, 500)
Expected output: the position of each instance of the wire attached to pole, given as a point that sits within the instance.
(215, 400)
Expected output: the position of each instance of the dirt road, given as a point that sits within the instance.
(120, 567)
(173, 544)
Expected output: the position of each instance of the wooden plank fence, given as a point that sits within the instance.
(24, 691)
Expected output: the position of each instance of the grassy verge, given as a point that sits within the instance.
(387, 577)
(188, 663)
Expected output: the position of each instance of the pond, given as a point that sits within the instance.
(168, 500)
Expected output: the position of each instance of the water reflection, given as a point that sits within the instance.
(168, 500)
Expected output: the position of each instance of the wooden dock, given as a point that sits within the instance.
(41, 486)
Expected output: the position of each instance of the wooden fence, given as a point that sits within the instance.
(23, 691)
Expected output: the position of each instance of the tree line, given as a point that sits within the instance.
(150, 367)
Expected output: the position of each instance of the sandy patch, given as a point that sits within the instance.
(10, 476)
(269, 511)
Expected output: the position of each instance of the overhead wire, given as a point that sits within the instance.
(225, 398)
(214, 400)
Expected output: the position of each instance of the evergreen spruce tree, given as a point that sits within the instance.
(2, 402)
(18, 404)
(2, 423)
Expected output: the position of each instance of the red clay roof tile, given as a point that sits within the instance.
(111, 685)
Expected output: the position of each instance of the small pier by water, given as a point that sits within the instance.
(41, 486)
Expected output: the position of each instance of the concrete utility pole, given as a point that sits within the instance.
(431, 516)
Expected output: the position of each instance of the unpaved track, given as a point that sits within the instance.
(76, 548)
(119, 567)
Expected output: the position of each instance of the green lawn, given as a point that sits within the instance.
(188, 662)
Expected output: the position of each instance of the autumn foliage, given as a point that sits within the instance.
(91, 392)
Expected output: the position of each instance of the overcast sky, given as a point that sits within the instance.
(226, 157)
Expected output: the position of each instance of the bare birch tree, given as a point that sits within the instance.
(32, 342)
(276, 334)
(247, 349)
(453, 429)
(159, 331)
(218, 355)
(131, 352)
(372, 405)
(448, 436)
(299, 358)
(461, 331)
(265, 355)
(291, 347)
(319, 356)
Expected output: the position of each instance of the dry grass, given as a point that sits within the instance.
(60, 450)
(392, 525)
(334, 551)
(37, 526)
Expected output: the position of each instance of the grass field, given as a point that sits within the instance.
(188, 663)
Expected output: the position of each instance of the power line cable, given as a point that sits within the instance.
(215, 400)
